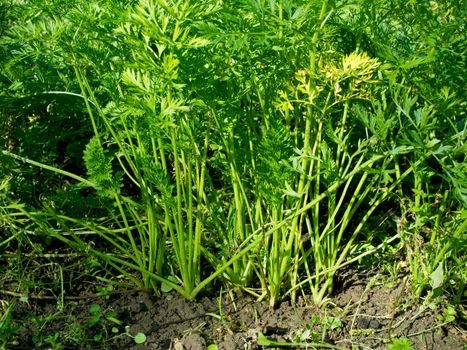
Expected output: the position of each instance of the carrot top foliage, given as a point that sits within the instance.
(259, 144)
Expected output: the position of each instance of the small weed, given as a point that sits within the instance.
(109, 319)
(102, 321)
(306, 334)
(400, 344)
(41, 337)
(448, 314)
(318, 328)
(95, 311)
(329, 323)
(138, 338)
(105, 291)
(7, 327)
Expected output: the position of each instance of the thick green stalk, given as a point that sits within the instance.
(178, 236)
(136, 252)
(295, 232)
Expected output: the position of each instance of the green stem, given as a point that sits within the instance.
(51, 168)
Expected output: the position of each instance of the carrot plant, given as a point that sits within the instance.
(247, 142)
(158, 147)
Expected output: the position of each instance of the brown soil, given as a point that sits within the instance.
(366, 315)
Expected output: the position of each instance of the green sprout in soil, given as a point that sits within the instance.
(400, 344)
